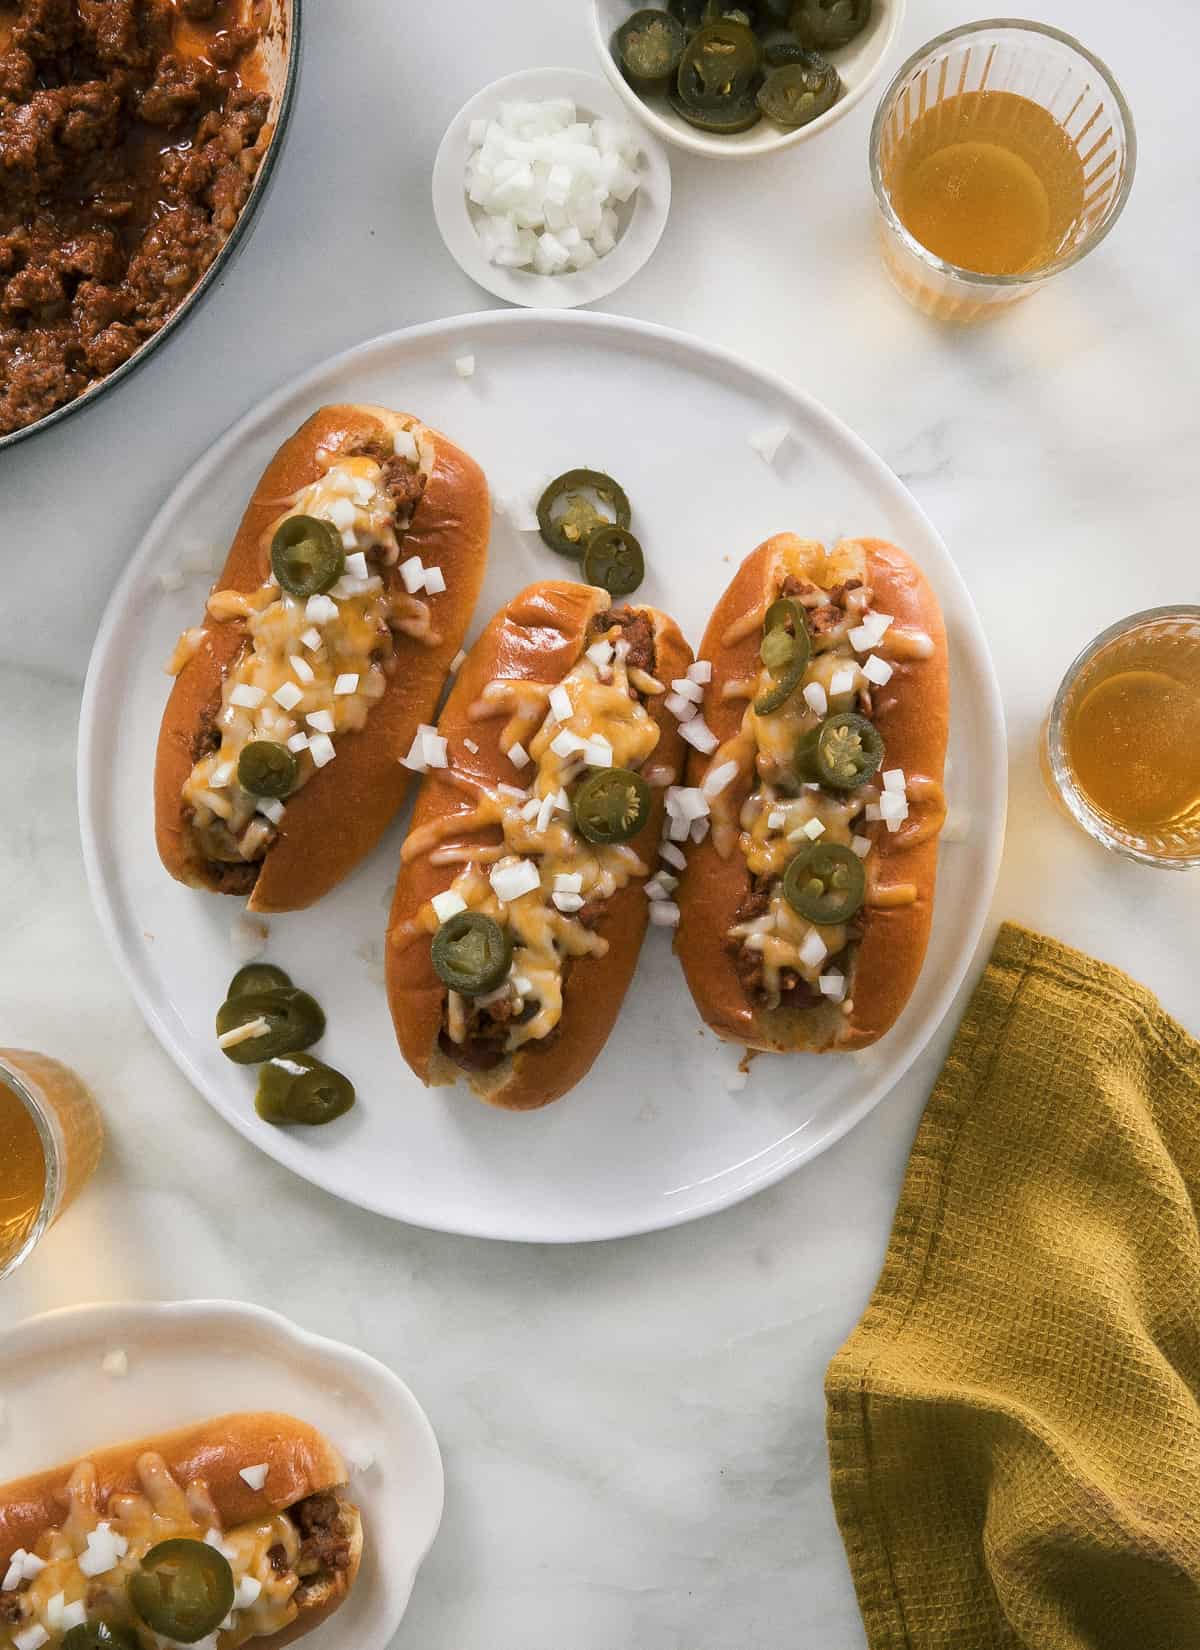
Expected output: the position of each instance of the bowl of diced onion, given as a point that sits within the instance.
(546, 193)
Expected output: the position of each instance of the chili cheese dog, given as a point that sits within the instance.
(524, 875)
(378, 527)
(264, 1542)
(805, 911)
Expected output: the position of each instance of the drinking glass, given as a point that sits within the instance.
(1166, 639)
(1049, 68)
(65, 1145)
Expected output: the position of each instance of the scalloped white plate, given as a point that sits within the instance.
(652, 1136)
(192, 1359)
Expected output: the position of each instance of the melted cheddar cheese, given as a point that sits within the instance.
(300, 649)
(606, 704)
(162, 1511)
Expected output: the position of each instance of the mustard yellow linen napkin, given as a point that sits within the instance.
(1014, 1425)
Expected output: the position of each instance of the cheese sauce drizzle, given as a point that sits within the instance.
(604, 709)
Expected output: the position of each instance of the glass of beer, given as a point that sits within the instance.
(1002, 153)
(1121, 746)
(51, 1138)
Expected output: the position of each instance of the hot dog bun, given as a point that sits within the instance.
(339, 814)
(911, 712)
(209, 1455)
(538, 638)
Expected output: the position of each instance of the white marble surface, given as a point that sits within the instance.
(633, 1432)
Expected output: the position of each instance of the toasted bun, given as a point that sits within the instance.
(538, 637)
(912, 714)
(343, 810)
(300, 1462)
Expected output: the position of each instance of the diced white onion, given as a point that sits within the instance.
(568, 882)
(568, 904)
(545, 813)
(412, 572)
(297, 743)
(301, 669)
(12, 1576)
(664, 913)
(435, 581)
(32, 1638)
(687, 689)
(699, 830)
(244, 1033)
(74, 1615)
(433, 747)
(842, 681)
(514, 791)
(312, 640)
(877, 670)
(698, 734)
(812, 829)
(597, 752)
(287, 695)
(321, 720)
(861, 845)
(566, 743)
(681, 709)
(255, 1476)
(832, 985)
(517, 755)
(686, 802)
(404, 446)
(356, 565)
(101, 1553)
(531, 809)
(700, 672)
(893, 805)
(600, 653)
(55, 1605)
(717, 779)
(320, 748)
(812, 950)
(343, 514)
(320, 610)
(248, 1589)
(776, 820)
(816, 698)
(510, 881)
(270, 808)
(560, 703)
(447, 905)
(767, 442)
(31, 1565)
(894, 780)
(872, 813)
(247, 697)
(470, 745)
(464, 366)
(673, 855)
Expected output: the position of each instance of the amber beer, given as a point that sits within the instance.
(1122, 743)
(51, 1138)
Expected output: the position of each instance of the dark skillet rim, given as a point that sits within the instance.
(237, 239)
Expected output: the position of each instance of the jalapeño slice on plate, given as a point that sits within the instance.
(182, 1589)
(471, 953)
(294, 1021)
(267, 768)
(649, 46)
(258, 977)
(843, 752)
(298, 1088)
(613, 560)
(785, 651)
(307, 556)
(825, 24)
(718, 65)
(567, 529)
(611, 805)
(825, 883)
(798, 92)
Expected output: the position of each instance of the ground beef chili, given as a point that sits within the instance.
(324, 1545)
(130, 135)
(636, 631)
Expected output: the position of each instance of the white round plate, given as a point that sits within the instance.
(640, 220)
(652, 1136)
(189, 1360)
(859, 64)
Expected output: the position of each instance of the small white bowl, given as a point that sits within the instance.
(640, 220)
(859, 65)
